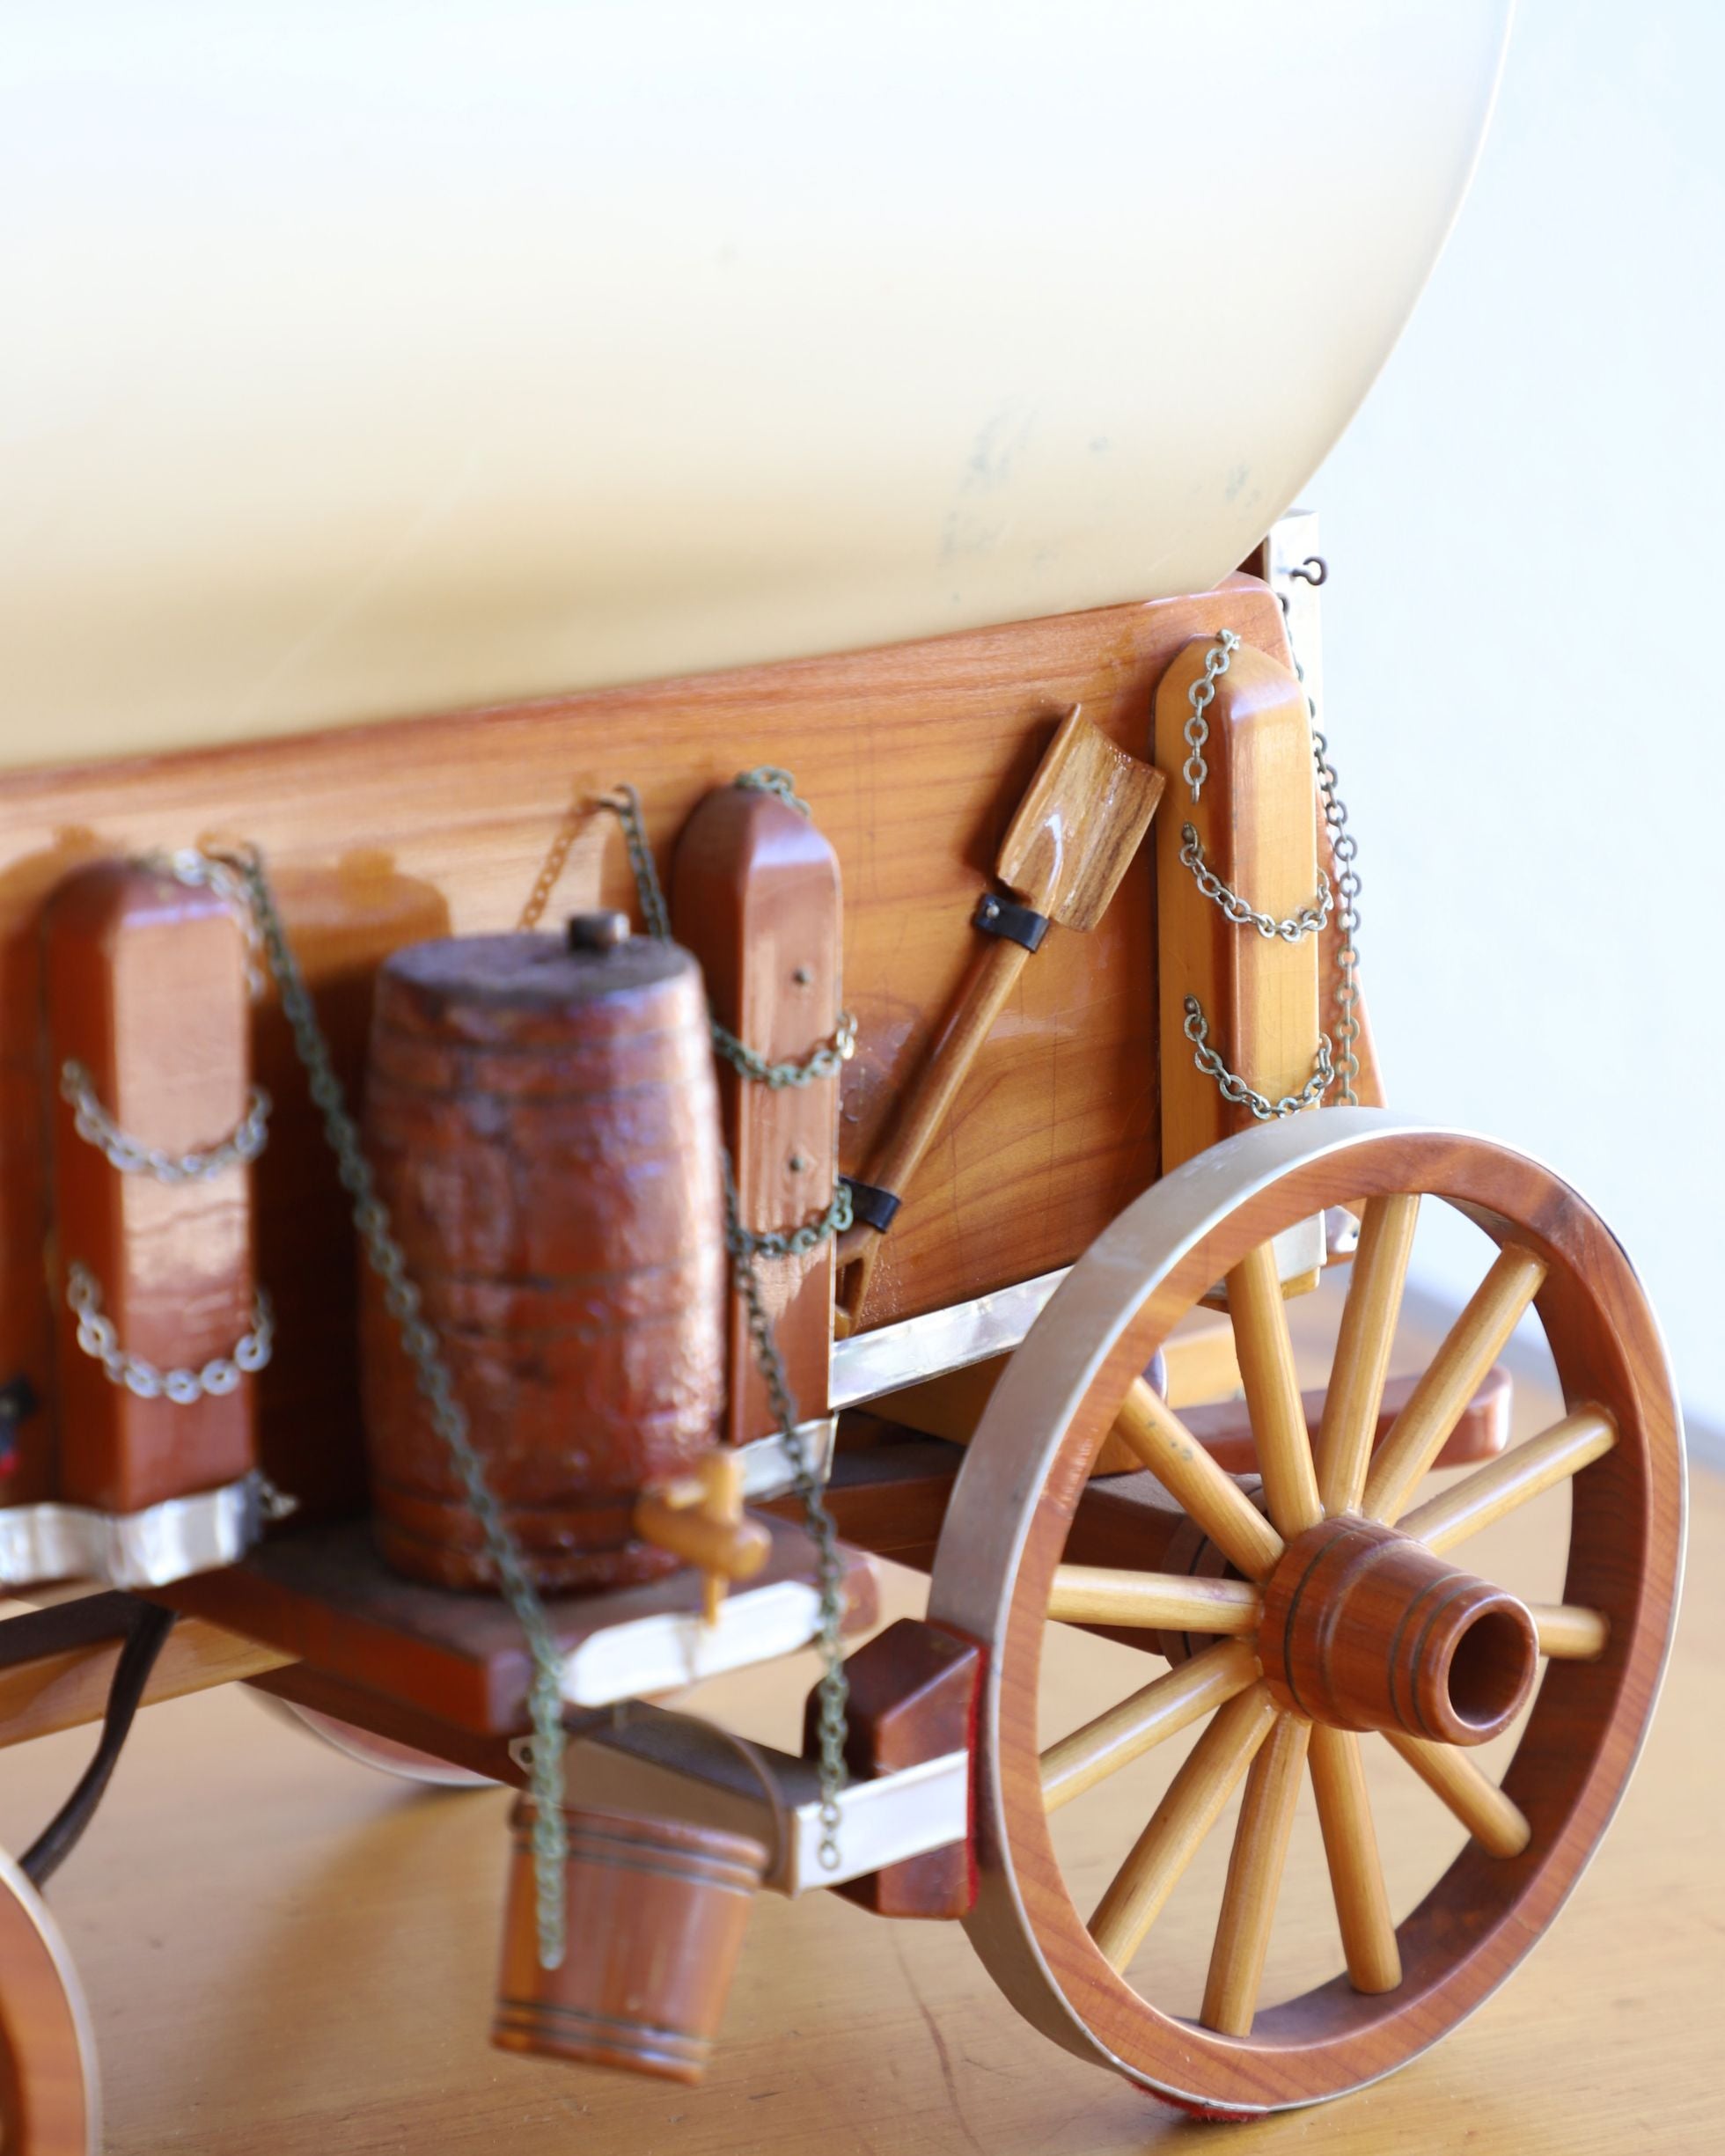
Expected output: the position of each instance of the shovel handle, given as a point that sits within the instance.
(993, 973)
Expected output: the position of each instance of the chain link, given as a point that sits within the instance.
(214, 872)
(1200, 696)
(1310, 921)
(222, 1373)
(743, 1245)
(419, 1340)
(1344, 851)
(132, 1157)
(826, 1061)
(1235, 1089)
(768, 779)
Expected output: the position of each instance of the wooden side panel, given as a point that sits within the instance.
(914, 758)
(147, 992)
(1255, 821)
(755, 895)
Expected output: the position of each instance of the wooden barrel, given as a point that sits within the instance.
(655, 1913)
(542, 1122)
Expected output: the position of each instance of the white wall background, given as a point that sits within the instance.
(1521, 640)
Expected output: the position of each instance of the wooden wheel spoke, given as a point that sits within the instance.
(1495, 1822)
(1569, 1633)
(1254, 1878)
(1190, 1808)
(1357, 1875)
(1175, 1701)
(1552, 1458)
(1211, 1496)
(1175, 1602)
(1363, 1343)
(1259, 1319)
(1469, 1350)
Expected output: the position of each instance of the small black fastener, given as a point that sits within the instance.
(1005, 917)
(875, 1208)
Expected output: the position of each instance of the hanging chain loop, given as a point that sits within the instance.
(1235, 1089)
(222, 1373)
(825, 1062)
(132, 1157)
(1310, 921)
(214, 872)
(743, 1246)
(419, 1340)
(1344, 851)
(1200, 696)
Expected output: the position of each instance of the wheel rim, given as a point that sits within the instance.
(49, 2101)
(996, 1569)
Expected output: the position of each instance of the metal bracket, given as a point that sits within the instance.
(882, 1821)
(1007, 918)
(148, 1547)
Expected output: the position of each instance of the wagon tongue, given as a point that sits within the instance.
(1066, 850)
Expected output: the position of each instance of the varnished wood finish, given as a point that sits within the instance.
(1273, 1393)
(1581, 1733)
(1350, 1848)
(1552, 1458)
(1163, 1707)
(754, 895)
(50, 2100)
(1104, 1595)
(698, 1519)
(1254, 1878)
(914, 758)
(1474, 1343)
(655, 1911)
(1194, 1803)
(543, 1127)
(1571, 1634)
(1365, 1628)
(1364, 1347)
(913, 1698)
(1213, 1500)
(1255, 821)
(146, 989)
(1495, 1821)
(1224, 1429)
(322, 1596)
(1064, 854)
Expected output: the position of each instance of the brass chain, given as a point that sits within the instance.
(420, 1342)
(1200, 696)
(743, 1246)
(1235, 1089)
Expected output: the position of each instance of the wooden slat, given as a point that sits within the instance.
(1363, 1346)
(1194, 1803)
(1273, 1393)
(1469, 1350)
(1552, 1458)
(1213, 1499)
(1127, 1731)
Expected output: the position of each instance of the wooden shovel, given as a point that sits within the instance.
(1067, 847)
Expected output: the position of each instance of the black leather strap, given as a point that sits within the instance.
(1005, 917)
(875, 1208)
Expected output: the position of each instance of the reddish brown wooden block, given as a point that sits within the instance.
(913, 1698)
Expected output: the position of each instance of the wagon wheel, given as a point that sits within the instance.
(49, 2103)
(384, 1755)
(1349, 1609)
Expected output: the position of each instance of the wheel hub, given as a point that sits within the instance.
(1364, 1628)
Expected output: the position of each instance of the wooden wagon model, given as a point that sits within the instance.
(505, 1215)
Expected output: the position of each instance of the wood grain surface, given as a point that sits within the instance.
(288, 1955)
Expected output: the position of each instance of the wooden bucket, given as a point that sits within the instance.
(543, 1125)
(655, 1913)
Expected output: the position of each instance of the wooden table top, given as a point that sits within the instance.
(285, 1952)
